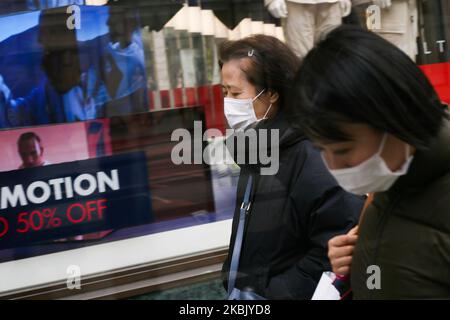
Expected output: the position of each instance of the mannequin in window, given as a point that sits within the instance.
(394, 20)
(305, 20)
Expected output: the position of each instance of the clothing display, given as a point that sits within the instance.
(307, 20)
(396, 21)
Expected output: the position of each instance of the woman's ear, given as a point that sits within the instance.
(273, 96)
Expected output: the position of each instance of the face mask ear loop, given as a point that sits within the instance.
(265, 115)
(383, 141)
(258, 95)
(408, 149)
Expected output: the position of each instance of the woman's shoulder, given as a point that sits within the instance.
(304, 150)
(310, 172)
(436, 197)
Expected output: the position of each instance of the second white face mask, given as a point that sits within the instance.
(240, 113)
(372, 175)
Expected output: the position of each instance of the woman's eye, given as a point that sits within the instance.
(231, 94)
(341, 151)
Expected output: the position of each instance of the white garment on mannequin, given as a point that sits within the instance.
(383, 3)
(278, 8)
(399, 25)
(306, 24)
(269, 2)
(305, 1)
(307, 20)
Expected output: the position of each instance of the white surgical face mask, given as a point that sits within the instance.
(240, 113)
(372, 175)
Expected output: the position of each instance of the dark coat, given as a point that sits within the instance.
(406, 232)
(292, 216)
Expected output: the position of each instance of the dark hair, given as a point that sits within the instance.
(54, 21)
(356, 76)
(27, 136)
(272, 64)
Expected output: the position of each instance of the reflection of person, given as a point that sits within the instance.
(123, 66)
(31, 151)
(306, 20)
(382, 129)
(5, 96)
(294, 212)
(47, 4)
(66, 94)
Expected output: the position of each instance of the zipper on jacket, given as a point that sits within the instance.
(248, 208)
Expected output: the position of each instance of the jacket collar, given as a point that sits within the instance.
(287, 137)
(428, 165)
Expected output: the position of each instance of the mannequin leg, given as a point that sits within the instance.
(300, 27)
(328, 16)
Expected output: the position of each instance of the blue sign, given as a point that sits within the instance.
(70, 199)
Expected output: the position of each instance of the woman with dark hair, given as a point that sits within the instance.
(282, 221)
(382, 129)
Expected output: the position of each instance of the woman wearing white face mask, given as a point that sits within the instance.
(240, 113)
(382, 129)
(282, 221)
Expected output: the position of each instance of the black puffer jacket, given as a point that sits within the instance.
(292, 216)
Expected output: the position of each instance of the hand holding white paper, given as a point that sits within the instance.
(325, 289)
